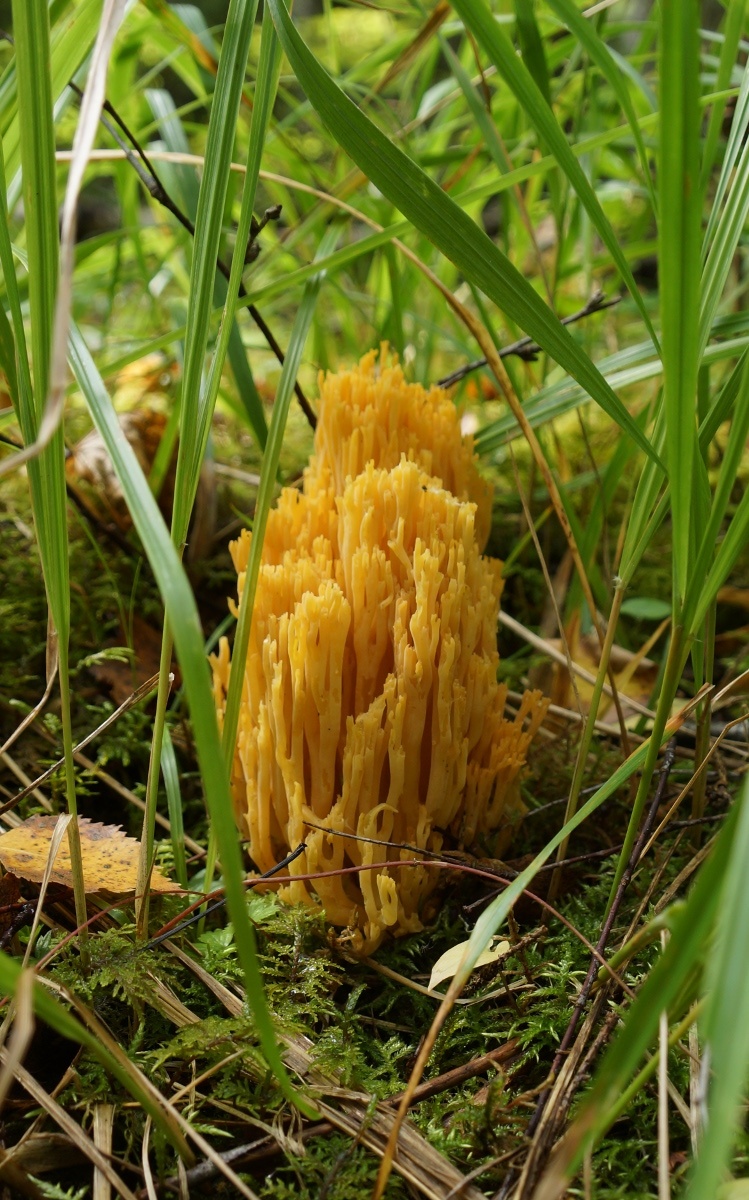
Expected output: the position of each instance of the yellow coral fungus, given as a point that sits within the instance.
(371, 704)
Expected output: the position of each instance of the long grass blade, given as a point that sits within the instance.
(197, 401)
(444, 222)
(665, 985)
(726, 1025)
(184, 622)
(599, 53)
(46, 468)
(679, 249)
(477, 17)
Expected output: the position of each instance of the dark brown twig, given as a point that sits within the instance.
(525, 347)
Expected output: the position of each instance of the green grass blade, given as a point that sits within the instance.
(170, 771)
(18, 367)
(265, 94)
(532, 47)
(726, 1025)
(732, 30)
(733, 543)
(208, 231)
(598, 52)
(679, 256)
(497, 912)
(691, 928)
(703, 581)
(268, 476)
(197, 400)
(186, 187)
(47, 470)
(480, 20)
(182, 615)
(71, 40)
(445, 224)
(725, 235)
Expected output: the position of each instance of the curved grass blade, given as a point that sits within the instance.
(497, 912)
(726, 1025)
(732, 30)
(444, 222)
(679, 258)
(598, 52)
(685, 952)
(635, 364)
(479, 19)
(182, 615)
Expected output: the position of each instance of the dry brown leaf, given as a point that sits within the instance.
(110, 857)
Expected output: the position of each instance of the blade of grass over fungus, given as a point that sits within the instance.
(268, 477)
(445, 224)
(196, 407)
(183, 619)
(46, 470)
(478, 18)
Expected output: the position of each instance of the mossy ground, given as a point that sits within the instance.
(365, 1028)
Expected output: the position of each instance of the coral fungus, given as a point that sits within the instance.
(371, 704)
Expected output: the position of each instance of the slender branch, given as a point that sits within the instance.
(525, 347)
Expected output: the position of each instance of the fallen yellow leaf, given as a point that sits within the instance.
(110, 857)
(447, 964)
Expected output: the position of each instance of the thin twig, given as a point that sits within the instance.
(525, 347)
(134, 698)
